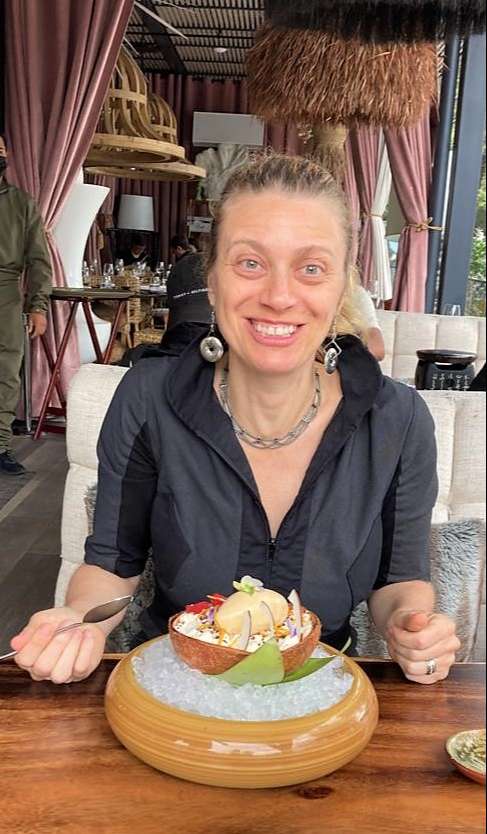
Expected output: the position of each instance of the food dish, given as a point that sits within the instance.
(214, 635)
(466, 751)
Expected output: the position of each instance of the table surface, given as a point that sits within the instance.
(62, 770)
(89, 294)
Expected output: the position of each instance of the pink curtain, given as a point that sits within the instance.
(364, 144)
(185, 94)
(60, 56)
(351, 192)
(410, 155)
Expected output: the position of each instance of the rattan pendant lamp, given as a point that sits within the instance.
(381, 21)
(137, 132)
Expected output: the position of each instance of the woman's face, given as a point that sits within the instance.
(278, 278)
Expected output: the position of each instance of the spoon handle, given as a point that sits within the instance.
(58, 631)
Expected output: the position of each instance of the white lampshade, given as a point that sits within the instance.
(136, 212)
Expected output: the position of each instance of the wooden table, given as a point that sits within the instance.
(62, 770)
(74, 296)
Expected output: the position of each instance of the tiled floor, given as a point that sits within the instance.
(30, 535)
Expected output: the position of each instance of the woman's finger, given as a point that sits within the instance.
(63, 669)
(449, 645)
(49, 656)
(89, 655)
(418, 669)
(39, 638)
(438, 629)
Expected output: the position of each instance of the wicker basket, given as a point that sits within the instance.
(147, 336)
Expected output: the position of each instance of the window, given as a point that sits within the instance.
(475, 300)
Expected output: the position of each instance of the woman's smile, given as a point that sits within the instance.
(274, 333)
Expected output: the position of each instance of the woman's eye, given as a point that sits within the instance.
(250, 264)
(312, 269)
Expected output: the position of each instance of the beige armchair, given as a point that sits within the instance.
(405, 333)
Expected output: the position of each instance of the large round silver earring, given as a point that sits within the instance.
(332, 353)
(211, 347)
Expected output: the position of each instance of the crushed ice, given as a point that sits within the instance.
(161, 673)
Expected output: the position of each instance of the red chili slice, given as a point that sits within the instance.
(197, 607)
(216, 599)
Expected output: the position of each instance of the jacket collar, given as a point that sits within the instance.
(191, 396)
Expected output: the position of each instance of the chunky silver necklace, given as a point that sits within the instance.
(276, 442)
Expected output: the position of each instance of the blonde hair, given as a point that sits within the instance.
(296, 175)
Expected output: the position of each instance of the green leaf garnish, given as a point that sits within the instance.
(245, 587)
(263, 667)
(312, 665)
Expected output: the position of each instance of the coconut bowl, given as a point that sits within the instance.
(213, 660)
(240, 754)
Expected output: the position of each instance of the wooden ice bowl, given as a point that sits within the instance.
(240, 754)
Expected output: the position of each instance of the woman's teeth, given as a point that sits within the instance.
(274, 329)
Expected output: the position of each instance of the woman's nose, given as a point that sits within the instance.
(278, 291)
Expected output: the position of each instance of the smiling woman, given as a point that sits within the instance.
(317, 476)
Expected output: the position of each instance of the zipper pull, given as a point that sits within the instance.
(271, 549)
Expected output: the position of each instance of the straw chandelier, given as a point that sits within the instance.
(381, 21)
(310, 77)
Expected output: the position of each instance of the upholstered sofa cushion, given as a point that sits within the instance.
(460, 436)
(406, 333)
(457, 552)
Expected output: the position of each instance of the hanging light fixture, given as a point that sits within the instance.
(137, 132)
(380, 21)
(312, 77)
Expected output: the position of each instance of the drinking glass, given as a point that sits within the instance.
(452, 310)
(85, 275)
(108, 276)
(119, 266)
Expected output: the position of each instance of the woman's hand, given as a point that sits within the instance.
(60, 658)
(417, 640)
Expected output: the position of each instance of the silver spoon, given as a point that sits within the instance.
(94, 615)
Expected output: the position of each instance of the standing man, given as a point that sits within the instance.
(180, 247)
(23, 247)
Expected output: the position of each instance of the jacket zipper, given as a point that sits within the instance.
(271, 550)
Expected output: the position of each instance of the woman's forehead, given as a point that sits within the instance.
(269, 215)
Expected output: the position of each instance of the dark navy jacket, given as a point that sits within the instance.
(173, 477)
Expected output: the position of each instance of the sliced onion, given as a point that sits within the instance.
(245, 631)
(296, 604)
(266, 609)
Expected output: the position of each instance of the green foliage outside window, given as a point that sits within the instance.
(475, 302)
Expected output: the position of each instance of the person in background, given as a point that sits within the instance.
(367, 312)
(187, 301)
(180, 247)
(23, 248)
(136, 254)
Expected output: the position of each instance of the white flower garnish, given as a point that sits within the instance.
(249, 585)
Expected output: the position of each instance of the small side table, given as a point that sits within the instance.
(74, 297)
